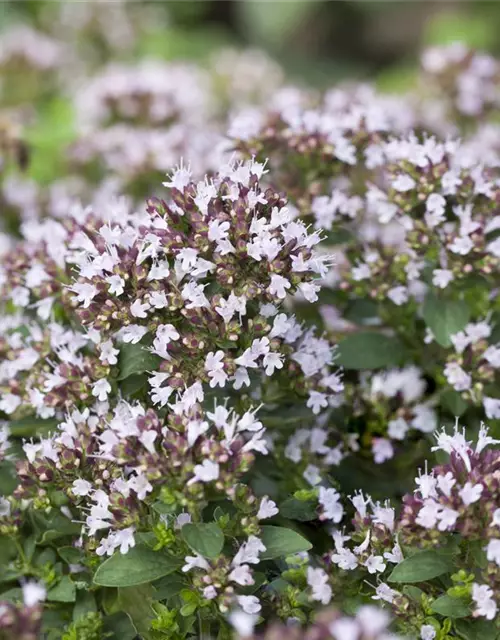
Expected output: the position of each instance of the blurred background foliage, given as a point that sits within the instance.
(317, 42)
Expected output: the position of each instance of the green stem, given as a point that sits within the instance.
(204, 626)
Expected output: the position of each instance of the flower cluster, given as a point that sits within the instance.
(233, 314)
(368, 623)
(448, 526)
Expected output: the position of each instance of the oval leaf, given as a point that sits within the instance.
(138, 566)
(64, 591)
(444, 317)
(135, 359)
(370, 350)
(205, 539)
(32, 427)
(301, 510)
(280, 541)
(451, 607)
(422, 566)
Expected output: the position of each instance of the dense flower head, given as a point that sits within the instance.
(150, 93)
(453, 510)
(25, 46)
(467, 81)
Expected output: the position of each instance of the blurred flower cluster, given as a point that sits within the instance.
(241, 322)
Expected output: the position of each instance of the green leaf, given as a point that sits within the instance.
(450, 607)
(370, 350)
(444, 317)
(135, 359)
(85, 603)
(64, 591)
(119, 626)
(138, 566)
(8, 477)
(31, 427)
(476, 630)
(422, 566)
(133, 384)
(362, 312)
(53, 526)
(12, 595)
(280, 541)
(205, 539)
(137, 603)
(301, 510)
(164, 509)
(452, 401)
(168, 587)
(413, 592)
(70, 555)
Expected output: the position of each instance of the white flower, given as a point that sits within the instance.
(470, 493)
(483, 596)
(317, 579)
(447, 518)
(182, 519)
(345, 559)
(108, 352)
(124, 538)
(441, 278)
(329, 499)
(249, 604)
(491, 407)
(427, 632)
(81, 487)
(493, 551)
(267, 509)
(457, 377)
(317, 401)
(85, 292)
(242, 575)
(312, 475)
(179, 178)
(278, 286)
(398, 295)
(446, 483)
(116, 285)
(435, 207)
(193, 562)
(249, 551)
(272, 361)
(205, 472)
(4, 507)
(375, 564)
(139, 310)
(133, 333)
(9, 403)
(403, 183)
(33, 593)
(214, 365)
(461, 245)
(385, 593)
(243, 623)
(428, 514)
(382, 450)
(309, 290)
(210, 592)
(361, 272)
(492, 355)
(100, 389)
